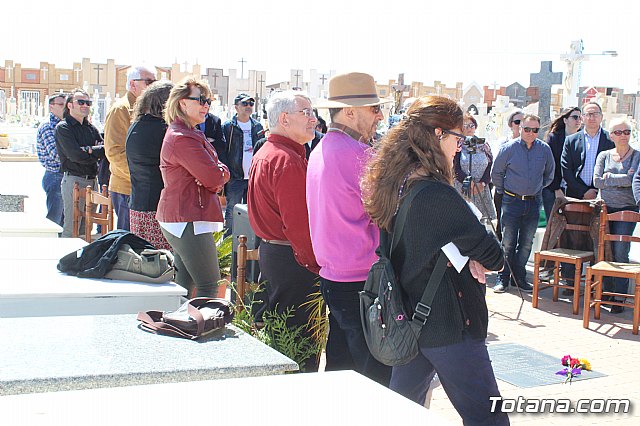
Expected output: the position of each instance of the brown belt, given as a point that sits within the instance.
(278, 242)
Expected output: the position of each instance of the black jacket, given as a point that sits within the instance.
(556, 142)
(99, 257)
(572, 162)
(232, 154)
(213, 132)
(72, 141)
(144, 141)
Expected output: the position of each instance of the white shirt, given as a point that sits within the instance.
(247, 147)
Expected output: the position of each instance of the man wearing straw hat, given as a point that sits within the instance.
(343, 236)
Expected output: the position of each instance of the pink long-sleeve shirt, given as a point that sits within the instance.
(343, 236)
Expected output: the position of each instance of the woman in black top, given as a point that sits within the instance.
(567, 124)
(452, 343)
(144, 141)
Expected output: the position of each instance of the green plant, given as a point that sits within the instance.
(224, 247)
(274, 332)
(318, 321)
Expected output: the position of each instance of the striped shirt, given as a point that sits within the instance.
(46, 144)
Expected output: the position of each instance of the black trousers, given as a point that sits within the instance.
(288, 285)
(346, 347)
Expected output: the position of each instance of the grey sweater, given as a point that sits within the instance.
(615, 189)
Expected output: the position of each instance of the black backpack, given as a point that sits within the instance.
(392, 337)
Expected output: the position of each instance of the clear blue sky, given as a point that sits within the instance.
(483, 41)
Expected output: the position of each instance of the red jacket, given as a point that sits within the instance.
(186, 156)
(276, 198)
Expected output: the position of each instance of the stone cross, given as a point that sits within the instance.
(297, 75)
(323, 77)
(543, 81)
(242, 62)
(98, 68)
(44, 72)
(77, 71)
(215, 79)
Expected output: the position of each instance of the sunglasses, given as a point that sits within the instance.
(531, 129)
(146, 80)
(201, 99)
(516, 122)
(84, 102)
(461, 138)
(622, 132)
(247, 103)
(307, 112)
(575, 117)
(376, 109)
(469, 126)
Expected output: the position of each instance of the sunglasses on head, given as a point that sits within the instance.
(622, 132)
(201, 99)
(247, 103)
(531, 129)
(86, 102)
(516, 122)
(146, 80)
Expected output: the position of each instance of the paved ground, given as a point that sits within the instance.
(552, 329)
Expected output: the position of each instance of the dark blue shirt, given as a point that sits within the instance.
(521, 170)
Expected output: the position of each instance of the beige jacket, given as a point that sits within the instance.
(116, 127)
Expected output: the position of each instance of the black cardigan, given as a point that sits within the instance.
(144, 142)
(556, 142)
(438, 216)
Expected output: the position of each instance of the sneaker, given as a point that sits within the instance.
(499, 287)
(525, 287)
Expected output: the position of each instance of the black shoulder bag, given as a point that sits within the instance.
(392, 337)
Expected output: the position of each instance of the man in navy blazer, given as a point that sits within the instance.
(580, 152)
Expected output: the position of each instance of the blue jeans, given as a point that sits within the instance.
(55, 207)
(346, 346)
(236, 193)
(121, 209)
(548, 198)
(620, 250)
(519, 224)
(465, 371)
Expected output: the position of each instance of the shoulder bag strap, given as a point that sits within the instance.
(423, 308)
(401, 217)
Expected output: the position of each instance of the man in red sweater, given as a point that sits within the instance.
(278, 210)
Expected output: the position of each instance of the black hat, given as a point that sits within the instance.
(243, 97)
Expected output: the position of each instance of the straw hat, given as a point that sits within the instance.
(355, 89)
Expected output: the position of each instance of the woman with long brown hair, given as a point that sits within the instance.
(452, 343)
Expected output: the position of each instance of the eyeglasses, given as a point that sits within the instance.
(146, 80)
(247, 103)
(531, 129)
(86, 102)
(376, 109)
(307, 112)
(575, 117)
(591, 115)
(460, 137)
(516, 122)
(622, 132)
(469, 126)
(201, 99)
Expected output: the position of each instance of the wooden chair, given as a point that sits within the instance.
(593, 295)
(244, 255)
(92, 200)
(563, 255)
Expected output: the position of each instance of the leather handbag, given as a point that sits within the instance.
(194, 319)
